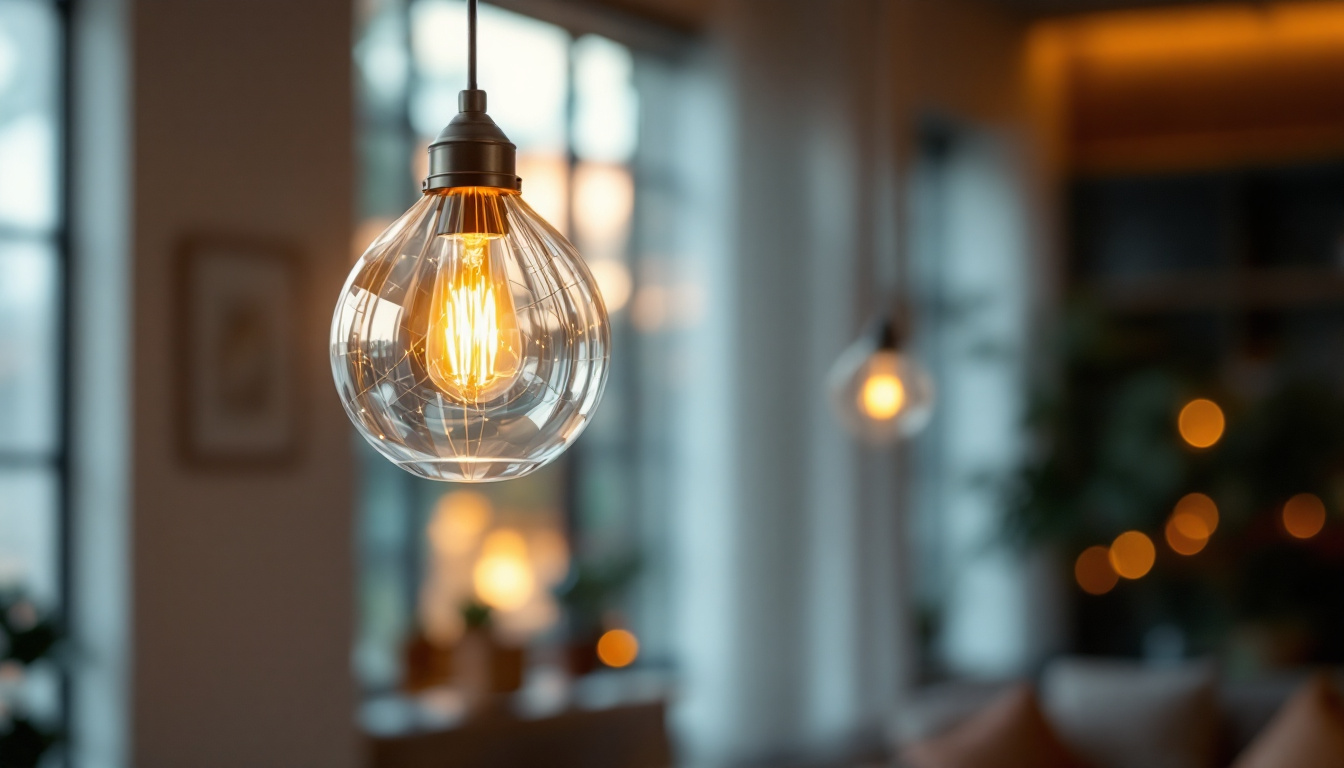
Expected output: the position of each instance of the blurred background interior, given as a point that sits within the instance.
(1112, 233)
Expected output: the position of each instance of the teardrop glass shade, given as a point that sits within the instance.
(470, 342)
(880, 393)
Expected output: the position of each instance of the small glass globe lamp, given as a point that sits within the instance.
(879, 391)
(470, 342)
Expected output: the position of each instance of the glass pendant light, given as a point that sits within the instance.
(470, 343)
(879, 391)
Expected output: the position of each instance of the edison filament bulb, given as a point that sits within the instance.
(470, 342)
(473, 348)
(879, 391)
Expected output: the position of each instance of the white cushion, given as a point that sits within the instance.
(933, 710)
(1123, 714)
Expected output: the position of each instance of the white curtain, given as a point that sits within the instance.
(792, 623)
(785, 557)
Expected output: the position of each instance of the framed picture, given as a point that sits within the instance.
(237, 325)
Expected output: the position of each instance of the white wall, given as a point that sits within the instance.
(241, 582)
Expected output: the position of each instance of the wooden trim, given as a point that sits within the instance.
(1287, 288)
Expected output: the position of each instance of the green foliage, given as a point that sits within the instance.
(476, 615)
(1107, 457)
(23, 743)
(594, 588)
(26, 637)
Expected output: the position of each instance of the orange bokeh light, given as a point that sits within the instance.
(1201, 423)
(1132, 555)
(1303, 515)
(1093, 571)
(460, 518)
(617, 648)
(1180, 543)
(1195, 516)
(503, 575)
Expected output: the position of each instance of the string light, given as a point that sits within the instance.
(1201, 423)
(1132, 555)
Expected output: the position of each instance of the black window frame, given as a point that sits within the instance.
(57, 459)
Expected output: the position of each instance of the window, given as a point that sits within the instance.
(572, 104)
(33, 259)
(978, 609)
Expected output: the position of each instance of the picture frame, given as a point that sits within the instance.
(237, 325)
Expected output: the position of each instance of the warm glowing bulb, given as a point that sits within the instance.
(503, 575)
(470, 343)
(459, 519)
(882, 396)
(879, 392)
(473, 347)
(617, 648)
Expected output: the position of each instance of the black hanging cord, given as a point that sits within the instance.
(471, 45)
(471, 151)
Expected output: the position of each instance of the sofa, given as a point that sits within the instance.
(1117, 713)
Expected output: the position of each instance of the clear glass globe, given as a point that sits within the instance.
(880, 393)
(470, 342)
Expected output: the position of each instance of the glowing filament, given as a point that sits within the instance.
(473, 343)
(882, 396)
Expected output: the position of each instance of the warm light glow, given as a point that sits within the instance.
(617, 648)
(1195, 516)
(1304, 516)
(604, 200)
(1192, 522)
(460, 518)
(1182, 544)
(1191, 526)
(652, 308)
(1094, 572)
(503, 576)
(1225, 33)
(473, 345)
(366, 233)
(550, 556)
(1201, 423)
(1133, 555)
(882, 396)
(613, 280)
(547, 177)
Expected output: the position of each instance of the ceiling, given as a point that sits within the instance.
(690, 15)
(1066, 7)
(685, 15)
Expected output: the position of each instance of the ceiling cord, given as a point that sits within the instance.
(471, 45)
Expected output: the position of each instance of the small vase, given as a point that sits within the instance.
(473, 668)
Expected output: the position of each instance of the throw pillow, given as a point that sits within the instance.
(1011, 732)
(1125, 714)
(1307, 732)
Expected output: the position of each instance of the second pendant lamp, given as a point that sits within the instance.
(880, 392)
(470, 342)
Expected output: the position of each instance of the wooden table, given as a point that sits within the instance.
(623, 736)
